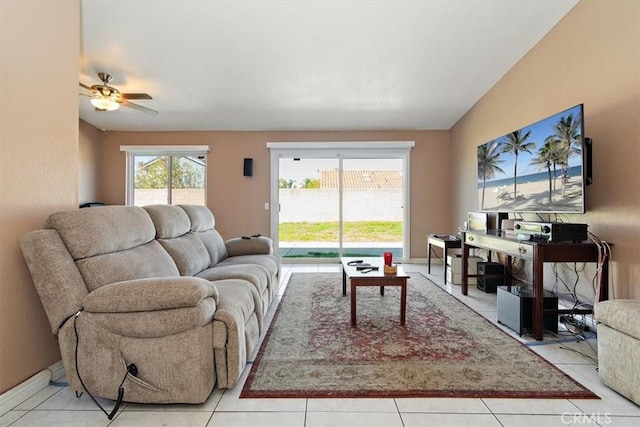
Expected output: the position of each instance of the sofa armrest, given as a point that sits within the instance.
(619, 314)
(153, 294)
(252, 246)
(151, 308)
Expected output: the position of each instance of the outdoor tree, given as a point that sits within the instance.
(311, 183)
(285, 183)
(185, 173)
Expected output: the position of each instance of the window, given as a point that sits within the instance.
(166, 175)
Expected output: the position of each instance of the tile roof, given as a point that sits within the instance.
(362, 180)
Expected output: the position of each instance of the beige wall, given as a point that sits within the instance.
(90, 139)
(238, 201)
(38, 164)
(593, 57)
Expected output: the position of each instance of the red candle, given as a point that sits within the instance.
(388, 258)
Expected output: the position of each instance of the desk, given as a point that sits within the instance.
(441, 241)
(537, 253)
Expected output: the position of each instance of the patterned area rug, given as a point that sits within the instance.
(445, 350)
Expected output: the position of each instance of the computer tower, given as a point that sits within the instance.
(494, 271)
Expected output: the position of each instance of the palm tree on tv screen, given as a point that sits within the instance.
(546, 157)
(515, 143)
(555, 154)
(568, 133)
(488, 159)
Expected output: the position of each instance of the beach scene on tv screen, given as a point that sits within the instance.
(536, 168)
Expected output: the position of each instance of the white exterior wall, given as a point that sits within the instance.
(181, 196)
(319, 205)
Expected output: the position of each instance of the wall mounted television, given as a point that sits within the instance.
(539, 168)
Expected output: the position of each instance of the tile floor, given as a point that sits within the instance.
(57, 406)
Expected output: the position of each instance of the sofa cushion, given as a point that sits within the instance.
(621, 315)
(241, 296)
(252, 273)
(214, 244)
(102, 230)
(169, 221)
(270, 262)
(201, 217)
(188, 252)
(173, 231)
(202, 225)
(145, 261)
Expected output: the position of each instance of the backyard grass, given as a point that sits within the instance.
(359, 231)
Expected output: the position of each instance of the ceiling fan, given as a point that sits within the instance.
(107, 98)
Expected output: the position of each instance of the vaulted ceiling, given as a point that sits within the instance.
(304, 65)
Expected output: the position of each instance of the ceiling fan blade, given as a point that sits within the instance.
(135, 96)
(138, 107)
(86, 87)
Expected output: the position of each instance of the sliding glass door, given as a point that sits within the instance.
(349, 202)
(309, 217)
(372, 207)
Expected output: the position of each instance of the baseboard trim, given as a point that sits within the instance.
(18, 394)
(57, 371)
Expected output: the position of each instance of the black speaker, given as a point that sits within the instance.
(248, 167)
(486, 268)
(495, 271)
(588, 156)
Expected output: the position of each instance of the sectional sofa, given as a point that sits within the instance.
(151, 302)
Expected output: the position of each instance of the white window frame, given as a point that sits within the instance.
(340, 150)
(158, 150)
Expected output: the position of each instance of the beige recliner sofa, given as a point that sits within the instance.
(619, 346)
(156, 287)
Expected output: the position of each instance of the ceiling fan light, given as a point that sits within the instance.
(105, 103)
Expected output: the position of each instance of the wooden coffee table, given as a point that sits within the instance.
(373, 278)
